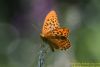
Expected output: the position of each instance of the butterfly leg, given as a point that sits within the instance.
(51, 47)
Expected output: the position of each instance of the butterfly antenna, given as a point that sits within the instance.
(36, 28)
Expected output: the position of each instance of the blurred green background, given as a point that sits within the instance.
(21, 23)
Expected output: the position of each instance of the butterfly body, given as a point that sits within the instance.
(53, 34)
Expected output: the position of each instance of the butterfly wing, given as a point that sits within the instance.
(60, 43)
(58, 32)
(50, 23)
(58, 38)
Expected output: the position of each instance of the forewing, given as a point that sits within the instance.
(50, 22)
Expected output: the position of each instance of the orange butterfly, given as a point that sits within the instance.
(53, 34)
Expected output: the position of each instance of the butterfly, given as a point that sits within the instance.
(53, 34)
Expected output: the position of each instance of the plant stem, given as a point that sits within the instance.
(42, 56)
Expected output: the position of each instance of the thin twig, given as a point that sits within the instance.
(42, 56)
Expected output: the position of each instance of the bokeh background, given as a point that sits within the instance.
(21, 23)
